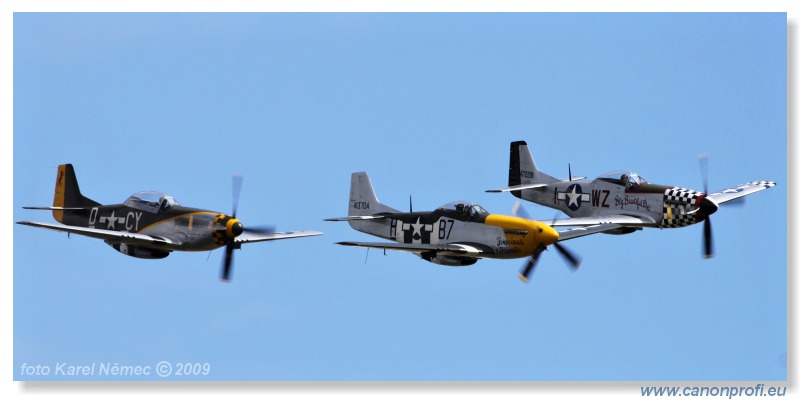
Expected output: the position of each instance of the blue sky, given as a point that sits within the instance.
(427, 104)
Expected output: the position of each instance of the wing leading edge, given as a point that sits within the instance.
(617, 219)
(453, 248)
(107, 235)
(248, 237)
(726, 195)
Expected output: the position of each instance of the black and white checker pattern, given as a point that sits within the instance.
(679, 200)
(765, 184)
(681, 196)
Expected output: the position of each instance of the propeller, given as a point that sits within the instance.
(237, 228)
(707, 207)
(237, 191)
(531, 263)
(573, 261)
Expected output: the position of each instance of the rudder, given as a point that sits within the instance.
(522, 168)
(67, 193)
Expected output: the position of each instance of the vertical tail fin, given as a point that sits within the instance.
(363, 200)
(522, 168)
(67, 193)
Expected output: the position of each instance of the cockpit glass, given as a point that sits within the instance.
(150, 201)
(464, 207)
(622, 178)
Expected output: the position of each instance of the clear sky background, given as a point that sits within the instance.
(426, 104)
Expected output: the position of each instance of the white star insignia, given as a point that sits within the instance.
(574, 197)
(111, 221)
(417, 227)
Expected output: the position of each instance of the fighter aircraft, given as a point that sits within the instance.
(151, 224)
(620, 197)
(456, 234)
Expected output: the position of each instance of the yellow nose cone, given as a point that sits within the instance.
(547, 234)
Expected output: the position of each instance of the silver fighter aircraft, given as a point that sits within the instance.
(456, 234)
(620, 197)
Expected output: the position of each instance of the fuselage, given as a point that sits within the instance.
(503, 236)
(659, 206)
(187, 228)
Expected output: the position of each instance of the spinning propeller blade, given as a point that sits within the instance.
(237, 190)
(707, 207)
(237, 229)
(261, 229)
(574, 261)
(708, 247)
(519, 211)
(524, 274)
(226, 264)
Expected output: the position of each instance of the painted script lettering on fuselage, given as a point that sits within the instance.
(628, 200)
(509, 247)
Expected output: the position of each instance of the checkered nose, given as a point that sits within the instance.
(226, 229)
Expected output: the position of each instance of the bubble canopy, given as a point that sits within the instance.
(464, 207)
(622, 178)
(151, 201)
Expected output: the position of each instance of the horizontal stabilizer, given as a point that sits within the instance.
(518, 187)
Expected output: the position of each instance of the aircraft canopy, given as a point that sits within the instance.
(468, 209)
(622, 178)
(151, 201)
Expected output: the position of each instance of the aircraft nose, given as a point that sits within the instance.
(547, 234)
(707, 207)
(234, 228)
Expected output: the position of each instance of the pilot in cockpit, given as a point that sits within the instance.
(164, 204)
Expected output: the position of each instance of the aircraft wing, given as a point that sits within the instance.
(131, 238)
(454, 248)
(724, 196)
(518, 187)
(359, 217)
(56, 208)
(618, 219)
(583, 231)
(247, 237)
